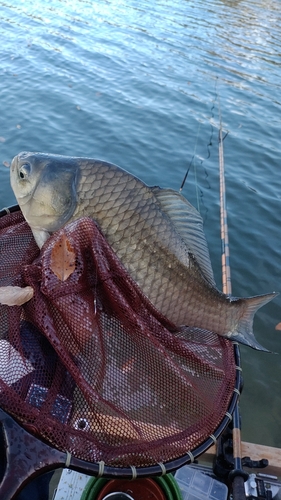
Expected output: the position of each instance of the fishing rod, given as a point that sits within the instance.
(237, 475)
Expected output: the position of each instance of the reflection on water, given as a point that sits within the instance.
(139, 84)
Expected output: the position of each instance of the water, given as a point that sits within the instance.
(139, 83)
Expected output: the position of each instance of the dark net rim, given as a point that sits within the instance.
(102, 470)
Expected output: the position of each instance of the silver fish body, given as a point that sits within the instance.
(156, 233)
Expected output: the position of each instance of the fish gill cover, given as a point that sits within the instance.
(89, 364)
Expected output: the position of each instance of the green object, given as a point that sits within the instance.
(167, 483)
(170, 487)
(93, 487)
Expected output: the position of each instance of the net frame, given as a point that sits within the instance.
(62, 459)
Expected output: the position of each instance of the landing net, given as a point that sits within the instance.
(90, 366)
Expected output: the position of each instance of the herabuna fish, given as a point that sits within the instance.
(156, 233)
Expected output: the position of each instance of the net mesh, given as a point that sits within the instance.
(89, 365)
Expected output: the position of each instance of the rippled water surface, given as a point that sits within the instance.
(140, 84)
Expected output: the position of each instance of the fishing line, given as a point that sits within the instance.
(199, 192)
(196, 187)
(191, 161)
(210, 143)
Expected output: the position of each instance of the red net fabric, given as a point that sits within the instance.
(90, 366)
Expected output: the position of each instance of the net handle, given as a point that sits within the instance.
(23, 452)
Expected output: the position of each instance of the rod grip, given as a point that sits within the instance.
(238, 490)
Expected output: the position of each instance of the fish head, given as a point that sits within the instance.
(45, 188)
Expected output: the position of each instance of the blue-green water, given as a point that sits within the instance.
(139, 83)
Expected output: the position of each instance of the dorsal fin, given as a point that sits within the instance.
(189, 225)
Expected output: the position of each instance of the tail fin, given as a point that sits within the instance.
(244, 332)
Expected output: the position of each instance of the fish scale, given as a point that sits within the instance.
(156, 233)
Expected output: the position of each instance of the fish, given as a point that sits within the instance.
(155, 232)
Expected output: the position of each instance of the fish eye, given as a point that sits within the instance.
(24, 170)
